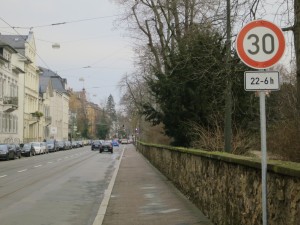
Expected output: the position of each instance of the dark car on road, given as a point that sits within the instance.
(17, 150)
(61, 145)
(27, 150)
(52, 145)
(9, 151)
(106, 146)
(96, 144)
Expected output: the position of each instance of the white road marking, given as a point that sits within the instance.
(169, 211)
(3, 176)
(49, 162)
(37, 166)
(20, 171)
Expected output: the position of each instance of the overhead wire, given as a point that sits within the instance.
(26, 42)
(53, 24)
(63, 23)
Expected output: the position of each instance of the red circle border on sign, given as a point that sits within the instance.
(256, 64)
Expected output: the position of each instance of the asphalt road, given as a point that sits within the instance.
(62, 188)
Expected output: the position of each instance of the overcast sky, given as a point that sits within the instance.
(90, 46)
(93, 54)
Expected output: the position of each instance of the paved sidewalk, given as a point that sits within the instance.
(143, 196)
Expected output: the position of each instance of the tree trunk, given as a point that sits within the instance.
(297, 49)
(228, 98)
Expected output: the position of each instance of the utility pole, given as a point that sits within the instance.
(228, 97)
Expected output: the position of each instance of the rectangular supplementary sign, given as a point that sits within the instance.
(261, 81)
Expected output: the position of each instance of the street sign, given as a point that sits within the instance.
(260, 44)
(53, 130)
(261, 81)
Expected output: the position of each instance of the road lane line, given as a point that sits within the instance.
(107, 193)
(3, 176)
(20, 171)
(50, 162)
(37, 166)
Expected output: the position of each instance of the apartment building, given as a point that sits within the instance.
(34, 102)
(11, 108)
(25, 48)
(55, 99)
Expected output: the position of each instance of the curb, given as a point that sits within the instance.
(107, 193)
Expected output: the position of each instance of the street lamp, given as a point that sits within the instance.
(56, 46)
(82, 80)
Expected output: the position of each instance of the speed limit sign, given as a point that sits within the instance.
(260, 44)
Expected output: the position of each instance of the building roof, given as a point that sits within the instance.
(4, 44)
(15, 41)
(58, 83)
(44, 81)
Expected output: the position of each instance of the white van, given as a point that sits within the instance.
(37, 147)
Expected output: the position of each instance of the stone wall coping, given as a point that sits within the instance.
(276, 166)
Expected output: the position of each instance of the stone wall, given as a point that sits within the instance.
(227, 188)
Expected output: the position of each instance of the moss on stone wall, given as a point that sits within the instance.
(227, 187)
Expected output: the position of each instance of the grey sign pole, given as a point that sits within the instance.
(258, 49)
(262, 81)
(262, 102)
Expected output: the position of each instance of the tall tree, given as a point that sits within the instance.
(111, 108)
(166, 26)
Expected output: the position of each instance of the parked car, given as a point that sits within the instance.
(124, 141)
(52, 145)
(7, 152)
(44, 147)
(115, 143)
(61, 145)
(96, 145)
(16, 148)
(68, 144)
(80, 143)
(27, 150)
(37, 147)
(75, 144)
(107, 147)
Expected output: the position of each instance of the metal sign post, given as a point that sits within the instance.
(260, 44)
(263, 135)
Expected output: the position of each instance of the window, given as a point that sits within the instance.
(1, 87)
(0, 122)
(4, 124)
(10, 123)
(17, 124)
(13, 90)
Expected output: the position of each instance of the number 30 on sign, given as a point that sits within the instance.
(260, 44)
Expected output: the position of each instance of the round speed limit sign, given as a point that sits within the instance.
(260, 44)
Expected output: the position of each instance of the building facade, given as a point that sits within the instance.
(9, 95)
(57, 105)
(25, 47)
(84, 116)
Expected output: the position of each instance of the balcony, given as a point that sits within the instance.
(34, 117)
(10, 104)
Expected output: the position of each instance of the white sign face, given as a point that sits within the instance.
(260, 81)
(53, 130)
(260, 44)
